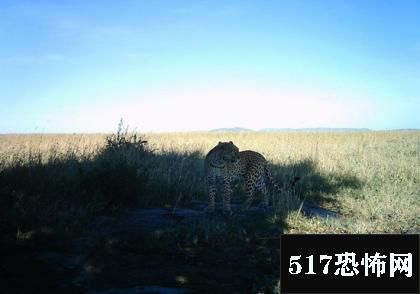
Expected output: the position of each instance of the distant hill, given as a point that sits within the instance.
(315, 130)
(242, 130)
(407, 130)
(231, 130)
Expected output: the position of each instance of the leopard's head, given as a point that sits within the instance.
(229, 151)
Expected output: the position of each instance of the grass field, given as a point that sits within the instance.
(371, 178)
(53, 187)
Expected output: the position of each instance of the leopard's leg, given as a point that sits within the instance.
(250, 187)
(263, 188)
(212, 189)
(226, 196)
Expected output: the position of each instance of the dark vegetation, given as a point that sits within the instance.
(69, 190)
(42, 202)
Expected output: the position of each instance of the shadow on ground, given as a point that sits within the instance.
(131, 218)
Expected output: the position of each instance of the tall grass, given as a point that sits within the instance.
(371, 178)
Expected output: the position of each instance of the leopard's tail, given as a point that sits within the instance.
(287, 188)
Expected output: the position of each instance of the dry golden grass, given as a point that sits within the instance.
(375, 175)
(385, 163)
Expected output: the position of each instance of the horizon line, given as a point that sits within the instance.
(228, 130)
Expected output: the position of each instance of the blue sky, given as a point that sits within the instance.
(79, 66)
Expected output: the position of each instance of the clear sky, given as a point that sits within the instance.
(79, 66)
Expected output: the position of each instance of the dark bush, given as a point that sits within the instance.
(66, 191)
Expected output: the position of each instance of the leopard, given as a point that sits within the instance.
(226, 163)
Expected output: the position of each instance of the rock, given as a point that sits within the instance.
(137, 222)
(312, 210)
(309, 209)
(117, 258)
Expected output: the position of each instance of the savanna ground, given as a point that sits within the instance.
(55, 185)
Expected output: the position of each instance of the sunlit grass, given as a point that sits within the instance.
(371, 178)
(385, 163)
